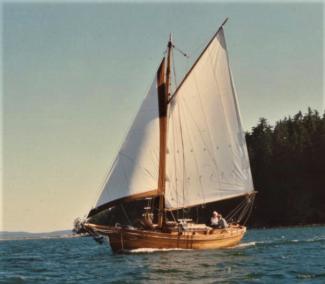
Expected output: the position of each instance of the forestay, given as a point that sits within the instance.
(207, 157)
(135, 170)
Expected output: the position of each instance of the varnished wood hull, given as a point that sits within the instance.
(129, 239)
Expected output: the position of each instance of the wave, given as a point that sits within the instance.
(316, 239)
(151, 250)
(245, 245)
(27, 238)
(282, 241)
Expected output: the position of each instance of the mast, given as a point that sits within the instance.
(169, 46)
(163, 96)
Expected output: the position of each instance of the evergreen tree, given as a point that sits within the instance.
(288, 168)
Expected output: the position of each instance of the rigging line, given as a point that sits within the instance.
(236, 210)
(235, 217)
(181, 51)
(242, 214)
(250, 210)
(245, 210)
(232, 212)
(108, 174)
(247, 214)
(133, 161)
(149, 173)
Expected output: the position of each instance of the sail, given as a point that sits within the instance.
(207, 157)
(134, 173)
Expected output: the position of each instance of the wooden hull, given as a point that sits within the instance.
(129, 239)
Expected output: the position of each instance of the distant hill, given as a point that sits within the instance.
(5, 235)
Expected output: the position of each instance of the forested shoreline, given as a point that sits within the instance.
(288, 169)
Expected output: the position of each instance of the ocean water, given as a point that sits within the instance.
(290, 255)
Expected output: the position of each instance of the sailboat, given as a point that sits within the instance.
(185, 149)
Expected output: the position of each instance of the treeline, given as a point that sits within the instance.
(288, 168)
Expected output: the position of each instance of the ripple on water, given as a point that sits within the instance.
(17, 279)
(283, 255)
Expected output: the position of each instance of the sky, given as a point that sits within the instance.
(75, 74)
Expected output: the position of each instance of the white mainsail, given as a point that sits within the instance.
(135, 170)
(207, 156)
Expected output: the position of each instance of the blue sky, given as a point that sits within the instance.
(74, 75)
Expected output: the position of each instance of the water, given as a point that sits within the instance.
(291, 255)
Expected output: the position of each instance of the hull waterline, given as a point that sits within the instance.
(129, 239)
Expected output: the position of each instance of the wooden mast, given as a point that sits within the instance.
(163, 95)
(169, 46)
